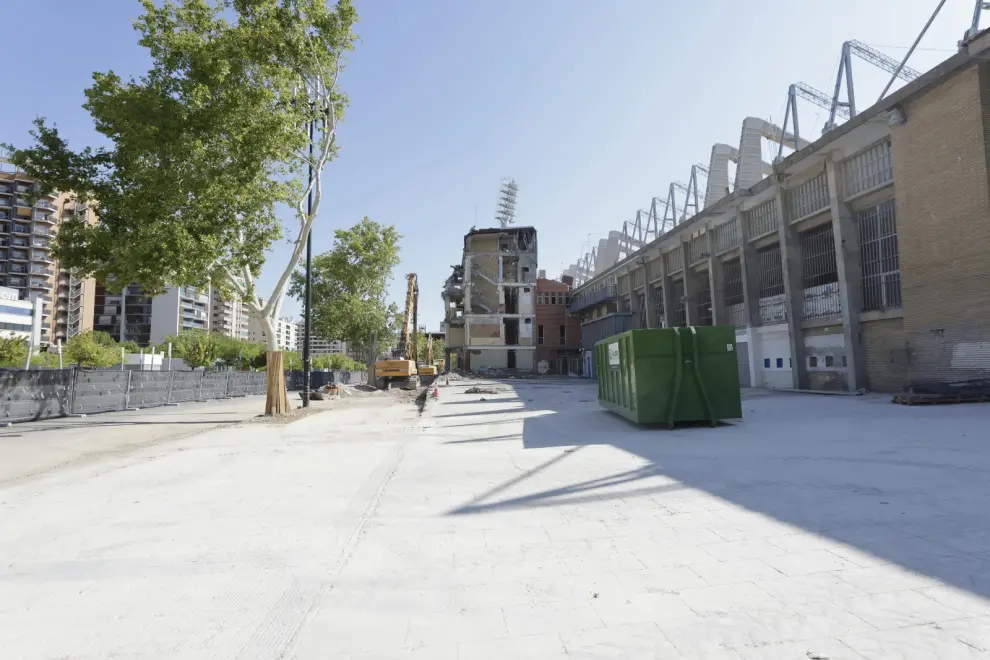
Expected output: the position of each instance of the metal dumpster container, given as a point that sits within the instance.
(671, 375)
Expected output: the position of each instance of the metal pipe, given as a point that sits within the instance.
(911, 50)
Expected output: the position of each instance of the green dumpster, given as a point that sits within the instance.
(671, 375)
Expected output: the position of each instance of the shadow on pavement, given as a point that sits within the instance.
(910, 486)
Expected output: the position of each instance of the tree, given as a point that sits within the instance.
(13, 351)
(197, 348)
(349, 286)
(240, 101)
(91, 349)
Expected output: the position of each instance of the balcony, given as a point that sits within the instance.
(46, 218)
(22, 229)
(41, 284)
(37, 270)
(44, 204)
(18, 268)
(41, 256)
(583, 301)
(17, 255)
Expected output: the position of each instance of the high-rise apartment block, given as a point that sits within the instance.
(229, 317)
(179, 308)
(26, 228)
(318, 345)
(125, 316)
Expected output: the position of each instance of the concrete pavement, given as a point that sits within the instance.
(31, 448)
(530, 524)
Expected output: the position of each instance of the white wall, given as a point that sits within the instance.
(773, 348)
(164, 315)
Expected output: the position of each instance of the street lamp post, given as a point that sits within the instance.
(308, 295)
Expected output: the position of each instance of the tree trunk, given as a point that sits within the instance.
(277, 399)
(276, 395)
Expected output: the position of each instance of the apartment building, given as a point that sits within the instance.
(19, 318)
(26, 227)
(558, 332)
(318, 345)
(489, 300)
(860, 263)
(125, 316)
(179, 308)
(228, 317)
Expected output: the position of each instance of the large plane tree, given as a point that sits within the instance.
(230, 129)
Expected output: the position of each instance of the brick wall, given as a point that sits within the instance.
(885, 355)
(943, 222)
(551, 316)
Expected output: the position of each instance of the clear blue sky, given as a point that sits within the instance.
(592, 106)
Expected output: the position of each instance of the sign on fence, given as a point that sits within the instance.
(47, 393)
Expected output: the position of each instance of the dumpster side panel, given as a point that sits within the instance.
(720, 370)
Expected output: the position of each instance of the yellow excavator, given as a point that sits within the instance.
(401, 367)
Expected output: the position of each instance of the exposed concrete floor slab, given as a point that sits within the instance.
(528, 525)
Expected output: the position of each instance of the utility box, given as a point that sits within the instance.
(670, 375)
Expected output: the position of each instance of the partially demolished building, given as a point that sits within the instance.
(489, 301)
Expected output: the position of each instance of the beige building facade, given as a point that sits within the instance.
(860, 262)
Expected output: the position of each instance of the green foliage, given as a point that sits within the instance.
(291, 361)
(349, 285)
(90, 349)
(204, 146)
(13, 350)
(334, 361)
(197, 348)
(423, 346)
(129, 346)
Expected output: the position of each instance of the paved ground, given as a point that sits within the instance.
(528, 525)
(31, 448)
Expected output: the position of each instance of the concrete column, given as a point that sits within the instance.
(849, 268)
(716, 280)
(690, 288)
(790, 257)
(750, 274)
(665, 292)
(647, 304)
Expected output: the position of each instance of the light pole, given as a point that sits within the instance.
(308, 295)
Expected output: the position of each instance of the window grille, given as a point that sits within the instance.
(869, 169)
(704, 299)
(679, 317)
(762, 220)
(773, 307)
(879, 257)
(809, 198)
(820, 275)
(725, 237)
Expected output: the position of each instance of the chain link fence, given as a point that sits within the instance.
(46, 393)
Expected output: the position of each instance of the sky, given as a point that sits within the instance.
(592, 106)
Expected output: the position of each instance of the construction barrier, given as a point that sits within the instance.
(47, 393)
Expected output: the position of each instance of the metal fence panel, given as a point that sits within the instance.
(100, 390)
(149, 389)
(214, 386)
(185, 386)
(31, 395)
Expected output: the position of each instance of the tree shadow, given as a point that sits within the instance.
(910, 486)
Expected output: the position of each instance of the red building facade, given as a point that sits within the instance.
(558, 333)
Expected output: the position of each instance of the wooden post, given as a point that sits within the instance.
(277, 398)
